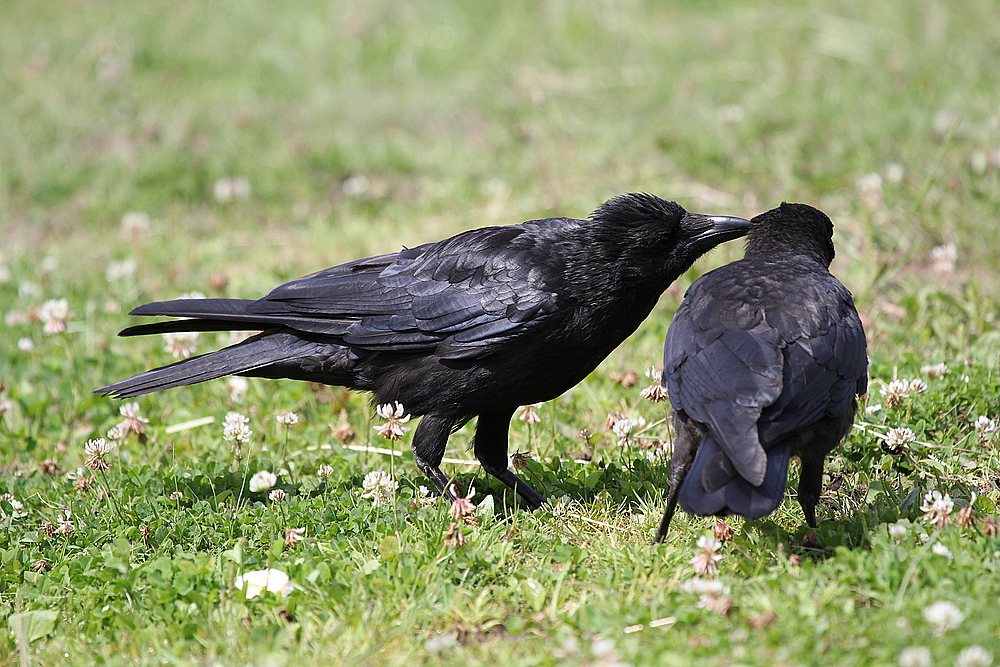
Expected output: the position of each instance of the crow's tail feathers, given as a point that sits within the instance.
(713, 487)
(206, 314)
(232, 315)
(254, 353)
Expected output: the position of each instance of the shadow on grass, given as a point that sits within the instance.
(639, 484)
(633, 486)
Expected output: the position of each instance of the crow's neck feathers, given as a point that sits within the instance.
(791, 230)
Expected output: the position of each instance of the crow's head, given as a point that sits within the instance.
(651, 232)
(792, 229)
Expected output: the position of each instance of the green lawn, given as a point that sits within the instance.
(153, 149)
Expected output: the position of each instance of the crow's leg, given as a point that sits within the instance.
(429, 441)
(491, 450)
(678, 471)
(812, 450)
(810, 486)
(687, 437)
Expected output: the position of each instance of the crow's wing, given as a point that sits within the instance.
(458, 298)
(825, 356)
(722, 366)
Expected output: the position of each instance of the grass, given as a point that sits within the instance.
(361, 128)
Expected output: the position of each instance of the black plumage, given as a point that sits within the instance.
(763, 361)
(474, 325)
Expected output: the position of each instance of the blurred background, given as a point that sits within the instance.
(154, 148)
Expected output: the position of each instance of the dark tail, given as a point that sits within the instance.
(228, 315)
(713, 487)
(243, 358)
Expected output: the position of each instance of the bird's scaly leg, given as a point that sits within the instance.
(429, 441)
(491, 450)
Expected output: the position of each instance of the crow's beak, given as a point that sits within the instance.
(709, 231)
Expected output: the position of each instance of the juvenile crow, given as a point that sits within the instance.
(763, 361)
(474, 325)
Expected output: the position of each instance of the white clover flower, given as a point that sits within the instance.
(116, 432)
(96, 450)
(262, 481)
(713, 594)
(945, 121)
(944, 258)
(425, 497)
(937, 508)
(355, 185)
(25, 344)
(15, 318)
(276, 495)
(287, 418)
(873, 408)
(985, 425)
(462, 508)
(379, 487)
(48, 265)
(704, 586)
(868, 182)
(917, 386)
(603, 649)
(623, 428)
(29, 290)
(5, 405)
(895, 172)
(325, 471)
(258, 581)
(935, 371)
(230, 338)
(714, 603)
(706, 563)
(120, 270)
(656, 392)
(656, 454)
(897, 531)
(134, 423)
(974, 656)
(97, 447)
(395, 417)
(54, 314)
(896, 440)
(941, 550)
(134, 225)
(237, 387)
(915, 656)
(708, 543)
(176, 495)
(15, 504)
(234, 428)
(529, 413)
(230, 189)
(943, 616)
(895, 391)
(181, 344)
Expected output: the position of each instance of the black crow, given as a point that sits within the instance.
(474, 325)
(764, 360)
